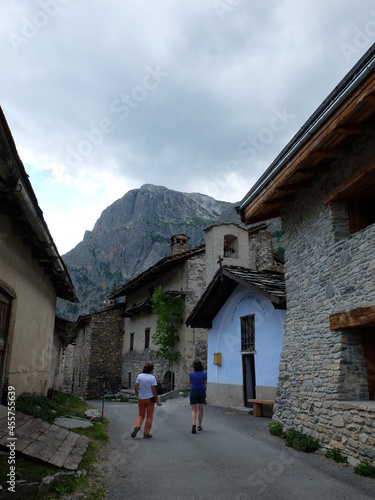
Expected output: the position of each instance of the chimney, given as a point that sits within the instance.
(179, 243)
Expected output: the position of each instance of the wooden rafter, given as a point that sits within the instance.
(331, 152)
(343, 190)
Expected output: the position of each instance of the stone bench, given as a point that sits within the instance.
(258, 406)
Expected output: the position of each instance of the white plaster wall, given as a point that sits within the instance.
(30, 361)
(225, 337)
(214, 241)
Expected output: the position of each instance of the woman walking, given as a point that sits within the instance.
(198, 382)
(145, 389)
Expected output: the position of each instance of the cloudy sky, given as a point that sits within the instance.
(194, 95)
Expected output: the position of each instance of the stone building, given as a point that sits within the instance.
(181, 274)
(32, 276)
(322, 186)
(93, 356)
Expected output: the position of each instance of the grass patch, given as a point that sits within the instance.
(275, 429)
(365, 469)
(300, 441)
(59, 405)
(25, 469)
(336, 456)
(48, 409)
(294, 439)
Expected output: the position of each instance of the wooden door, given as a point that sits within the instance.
(248, 370)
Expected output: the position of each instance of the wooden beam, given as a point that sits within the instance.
(356, 318)
(343, 189)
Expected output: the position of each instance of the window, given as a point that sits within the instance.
(131, 341)
(358, 191)
(361, 214)
(248, 333)
(230, 246)
(357, 328)
(147, 338)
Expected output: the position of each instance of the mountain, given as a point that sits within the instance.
(130, 236)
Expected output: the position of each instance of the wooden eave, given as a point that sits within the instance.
(145, 305)
(335, 137)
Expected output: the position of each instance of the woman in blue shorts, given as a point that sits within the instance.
(198, 382)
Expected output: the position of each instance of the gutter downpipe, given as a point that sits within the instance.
(279, 163)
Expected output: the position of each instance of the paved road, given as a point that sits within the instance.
(234, 457)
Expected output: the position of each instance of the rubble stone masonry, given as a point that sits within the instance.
(323, 381)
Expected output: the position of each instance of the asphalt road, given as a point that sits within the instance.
(234, 457)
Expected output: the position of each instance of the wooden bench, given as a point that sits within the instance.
(258, 406)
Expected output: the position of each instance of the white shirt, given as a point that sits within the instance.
(145, 382)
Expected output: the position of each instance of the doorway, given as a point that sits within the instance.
(248, 370)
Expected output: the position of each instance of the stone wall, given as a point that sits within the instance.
(95, 359)
(107, 333)
(323, 388)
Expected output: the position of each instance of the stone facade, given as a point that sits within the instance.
(95, 359)
(188, 277)
(323, 387)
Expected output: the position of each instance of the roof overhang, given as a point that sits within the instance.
(268, 284)
(152, 273)
(347, 115)
(19, 203)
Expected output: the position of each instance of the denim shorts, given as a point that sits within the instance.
(197, 396)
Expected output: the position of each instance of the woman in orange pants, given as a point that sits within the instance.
(145, 389)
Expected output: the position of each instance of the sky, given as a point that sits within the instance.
(198, 96)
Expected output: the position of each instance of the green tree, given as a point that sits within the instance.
(169, 310)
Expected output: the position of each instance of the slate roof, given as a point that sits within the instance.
(269, 284)
(157, 270)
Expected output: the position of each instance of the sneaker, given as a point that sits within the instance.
(135, 432)
(194, 429)
(147, 436)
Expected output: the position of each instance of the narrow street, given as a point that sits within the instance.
(234, 457)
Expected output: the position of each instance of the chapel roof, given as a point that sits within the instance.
(269, 284)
